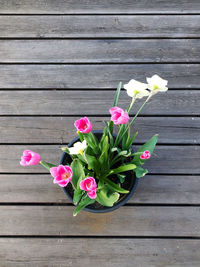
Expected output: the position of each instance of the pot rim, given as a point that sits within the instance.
(106, 209)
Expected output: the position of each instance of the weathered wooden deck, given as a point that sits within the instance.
(60, 60)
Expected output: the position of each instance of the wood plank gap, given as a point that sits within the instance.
(105, 14)
(101, 63)
(100, 237)
(102, 38)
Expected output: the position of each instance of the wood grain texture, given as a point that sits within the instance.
(152, 189)
(59, 130)
(106, 76)
(99, 51)
(139, 221)
(79, 103)
(99, 26)
(57, 252)
(96, 7)
(168, 159)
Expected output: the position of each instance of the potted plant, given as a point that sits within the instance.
(99, 170)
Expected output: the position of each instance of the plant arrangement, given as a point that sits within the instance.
(98, 165)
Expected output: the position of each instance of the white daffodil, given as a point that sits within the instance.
(136, 89)
(78, 148)
(156, 84)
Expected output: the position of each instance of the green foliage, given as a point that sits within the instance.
(123, 168)
(121, 177)
(106, 196)
(116, 98)
(77, 195)
(47, 165)
(85, 201)
(78, 172)
(140, 172)
(114, 186)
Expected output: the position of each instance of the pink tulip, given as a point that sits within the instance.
(83, 125)
(62, 175)
(89, 185)
(29, 158)
(92, 194)
(119, 116)
(145, 155)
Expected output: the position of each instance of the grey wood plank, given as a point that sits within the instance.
(168, 159)
(59, 130)
(106, 76)
(99, 51)
(73, 102)
(45, 252)
(99, 26)
(152, 189)
(126, 221)
(96, 7)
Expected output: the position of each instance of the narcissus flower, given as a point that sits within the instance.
(145, 155)
(156, 84)
(89, 185)
(78, 148)
(136, 89)
(29, 158)
(83, 125)
(62, 175)
(119, 116)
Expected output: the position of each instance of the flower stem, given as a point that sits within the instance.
(140, 109)
(131, 104)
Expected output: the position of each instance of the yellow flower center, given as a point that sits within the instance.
(65, 176)
(155, 87)
(80, 151)
(135, 92)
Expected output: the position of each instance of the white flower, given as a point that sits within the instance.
(156, 84)
(78, 148)
(136, 89)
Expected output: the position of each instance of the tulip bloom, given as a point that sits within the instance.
(89, 185)
(156, 84)
(29, 158)
(62, 175)
(145, 155)
(119, 116)
(83, 125)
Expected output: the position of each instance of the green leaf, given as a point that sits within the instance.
(117, 94)
(82, 204)
(80, 135)
(103, 159)
(140, 172)
(107, 197)
(114, 186)
(121, 177)
(78, 172)
(47, 165)
(77, 196)
(131, 140)
(150, 146)
(123, 168)
(92, 162)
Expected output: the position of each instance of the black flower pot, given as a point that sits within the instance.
(129, 184)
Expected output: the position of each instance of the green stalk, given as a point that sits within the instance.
(131, 104)
(140, 109)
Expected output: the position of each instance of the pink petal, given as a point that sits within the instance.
(92, 194)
